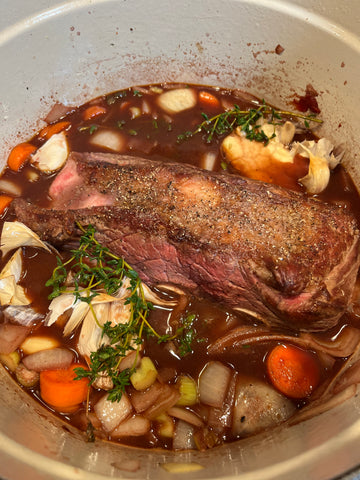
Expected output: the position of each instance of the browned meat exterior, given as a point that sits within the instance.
(286, 258)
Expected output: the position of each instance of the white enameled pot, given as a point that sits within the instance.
(71, 51)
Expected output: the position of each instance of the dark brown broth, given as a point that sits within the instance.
(156, 137)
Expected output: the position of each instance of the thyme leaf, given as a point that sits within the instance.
(247, 120)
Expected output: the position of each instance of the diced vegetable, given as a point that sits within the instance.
(175, 101)
(11, 337)
(213, 383)
(22, 315)
(132, 427)
(144, 375)
(183, 436)
(93, 111)
(51, 130)
(293, 371)
(143, 399)
(51, 359)
(111, 414)
(52, 155)
(10, 360)
(166, 400)
(108, 139)
(5, 201)
(37, 343)
(16, 234)
(166, 425)
(27, 378)
(10, 188)
(258, 406)
(186, 415)
(19, 155)
(59, 388)
(208, 99)
(188, 391)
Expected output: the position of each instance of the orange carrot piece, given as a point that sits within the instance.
(293, 371)
(50, 130)
(19, 155)
(59, 388)
(208, 99)
(5, 201)
(93, 111)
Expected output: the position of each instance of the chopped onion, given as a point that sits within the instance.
(22, 315)
(208, 161)
(132, 427)
(10, 188)
(111, 414)
(186, 415)
(109, 140)
(166, 400)
(183, 436)
(142, 400)
(213, 383)
(53, 359)
(11, 337)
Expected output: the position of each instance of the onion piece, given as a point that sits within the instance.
(109, 140)
(142, 400)
(11, 337)
(213, 383)
(111, 414)
(342, 345)
(10, 188)
(186, 415)
(22, 315)
(10, 292)
(166, 400)
(183, 436)
(53, 359)
(132, 427)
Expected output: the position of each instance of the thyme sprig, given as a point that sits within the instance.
(96, 269)
(247, 120)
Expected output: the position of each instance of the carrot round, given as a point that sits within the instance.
(293, 371)
(59, 388)
(209, 99)
(5, 201)
(50, 130)
(19, 155)
(93, 111)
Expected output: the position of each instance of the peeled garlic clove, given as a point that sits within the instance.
(52, 155)
(287, 132)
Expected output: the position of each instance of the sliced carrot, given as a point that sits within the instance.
(59, 388)
(19, 155)
(208, 99)
(293, 371)
(93, 111)
(50, 130)
(5, 201)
